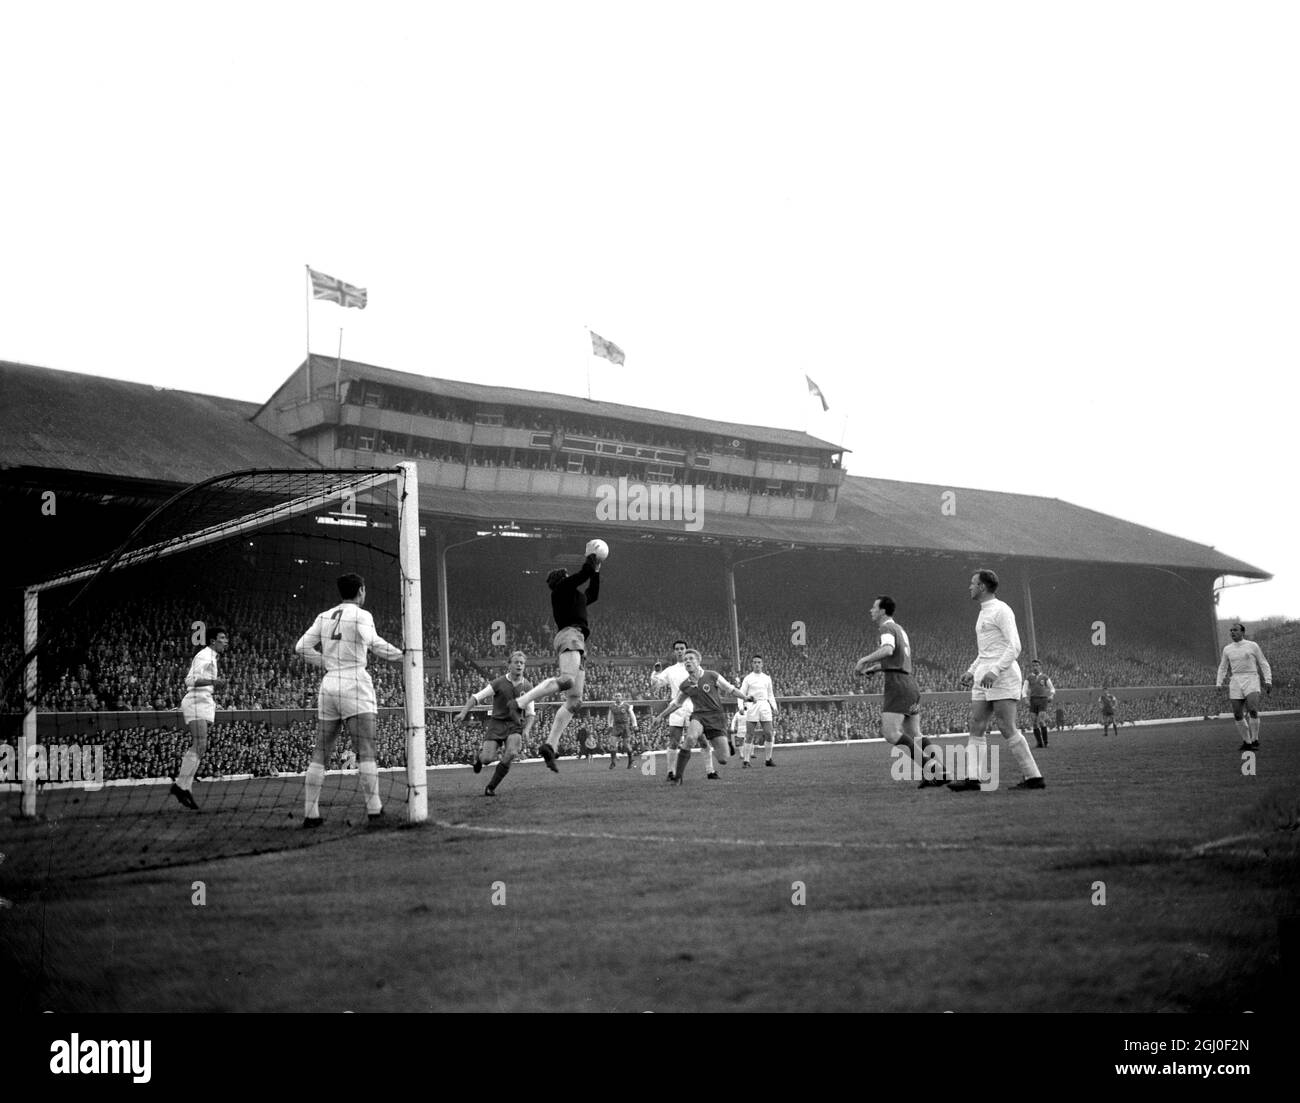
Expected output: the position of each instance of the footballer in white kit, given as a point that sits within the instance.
(758, 716)
(994, 682)
(340, 640)
(345, 636)
(1244, 666)
(199, 709)
(999, 648)
(671, 679)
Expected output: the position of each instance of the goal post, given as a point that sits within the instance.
(260, 548)
(417, 776)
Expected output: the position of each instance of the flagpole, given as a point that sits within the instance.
(307, 312)
(588, 329)
(338, 368)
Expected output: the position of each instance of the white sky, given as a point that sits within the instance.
(1038, 247)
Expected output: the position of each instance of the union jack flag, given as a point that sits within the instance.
(327, 287)
(607, 349)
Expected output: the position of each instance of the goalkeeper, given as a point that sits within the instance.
(569, 608)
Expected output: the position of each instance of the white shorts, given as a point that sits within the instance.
(759, 711)
(1006, 688)
(200, 709)
(682, 716)
(345, 694)
(1242, 686)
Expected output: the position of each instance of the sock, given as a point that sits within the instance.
(976, 748)
(315, 775)
(613, 759)
(770, 748)
(561, 721)
(189, 767)
(629, 760)
(498, 775)
(1018, 745)
(1244, 729)
(368, 772)
(1252, 722)
(712, 769)
(683, 757)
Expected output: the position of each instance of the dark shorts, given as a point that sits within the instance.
(1037, 704)
(715, 727)
(902, 694)
(501, 730)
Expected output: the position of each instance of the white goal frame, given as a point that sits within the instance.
(345, 484)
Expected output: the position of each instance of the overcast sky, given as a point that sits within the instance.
(1037, 247)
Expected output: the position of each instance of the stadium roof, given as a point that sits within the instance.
(571, 406)
(70, 422)
(886, 516)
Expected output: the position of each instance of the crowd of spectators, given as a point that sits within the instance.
(132, 653)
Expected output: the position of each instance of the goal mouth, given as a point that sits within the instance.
(100, 708)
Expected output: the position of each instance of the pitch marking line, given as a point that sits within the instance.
(1199, 851)
(793, 844)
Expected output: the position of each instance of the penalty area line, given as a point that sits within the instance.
(757, 844)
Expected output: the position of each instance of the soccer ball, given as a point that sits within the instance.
(599, 549)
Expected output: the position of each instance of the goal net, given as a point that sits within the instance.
(93, 734)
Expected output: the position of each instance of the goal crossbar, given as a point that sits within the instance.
(224, 530)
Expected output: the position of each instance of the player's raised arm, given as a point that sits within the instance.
(592, 565)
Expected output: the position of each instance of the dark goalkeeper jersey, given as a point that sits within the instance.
(569, 603)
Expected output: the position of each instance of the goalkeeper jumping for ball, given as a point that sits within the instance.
(569, 607)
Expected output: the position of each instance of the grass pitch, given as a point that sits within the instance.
(1151, 875)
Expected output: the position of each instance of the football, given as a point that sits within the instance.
(599, 549)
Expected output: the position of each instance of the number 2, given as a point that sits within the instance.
(336, 618)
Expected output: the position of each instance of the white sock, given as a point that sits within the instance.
(1244, 728)
(745, 752)
(1018, 745)
(1253, 723)
(368, 772)
(711, 769)
(315, 775)
(561, 721)
(189, 767)
(976, 749)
